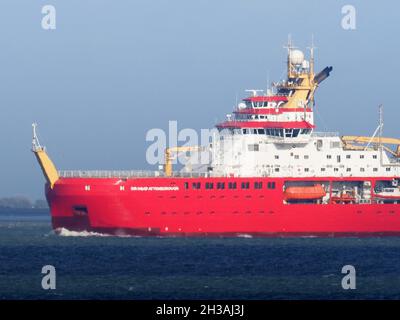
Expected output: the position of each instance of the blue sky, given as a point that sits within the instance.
(112, 70)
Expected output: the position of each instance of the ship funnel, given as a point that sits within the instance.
(321, 76)
(49, 169)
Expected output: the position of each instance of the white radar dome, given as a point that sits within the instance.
(296, 57)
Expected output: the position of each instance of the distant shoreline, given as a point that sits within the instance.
(6, 210)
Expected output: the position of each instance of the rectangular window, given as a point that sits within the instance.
(271, 185)
(245, 185)
(322, 169)
(296, 156)
(232, 185)
(257, 185)
(348, 169)
(220, 185)
(186, 185)
(375, 169)
(306, 169)
(253, 147)
(362, 169)
(276, 169)
(375, 156)
(348, 156)
(328, 156)
(209, 185)
(196, 185)
(276, 157)
(305, 157)
(335, 144)
(387, 169)
(361, 156)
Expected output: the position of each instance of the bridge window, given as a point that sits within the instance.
(292, 133)
(249, 104)
(288, 133)
(275, 132)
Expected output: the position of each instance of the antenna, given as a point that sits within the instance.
(289, 45)
(236, 100)
(289, 48)
(311, 48)
(380, 125)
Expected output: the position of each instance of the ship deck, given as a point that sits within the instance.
(126, 174)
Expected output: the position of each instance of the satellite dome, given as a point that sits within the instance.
(296, 57)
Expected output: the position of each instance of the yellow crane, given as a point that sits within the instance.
(349, 141)
(172, 153)
(49, 169)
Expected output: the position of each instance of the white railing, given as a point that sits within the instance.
(124, 174)
(324, 134)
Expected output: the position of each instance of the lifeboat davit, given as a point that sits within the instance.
(305, 193)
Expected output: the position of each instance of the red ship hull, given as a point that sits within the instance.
(168, 207)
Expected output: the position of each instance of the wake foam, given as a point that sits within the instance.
(244, 235)
(68, 233)
(63, 232)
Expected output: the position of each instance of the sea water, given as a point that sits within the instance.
(97, 266)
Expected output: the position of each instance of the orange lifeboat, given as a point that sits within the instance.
(305, 193)
(343, 198)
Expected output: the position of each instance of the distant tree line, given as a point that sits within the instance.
(21, 202)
